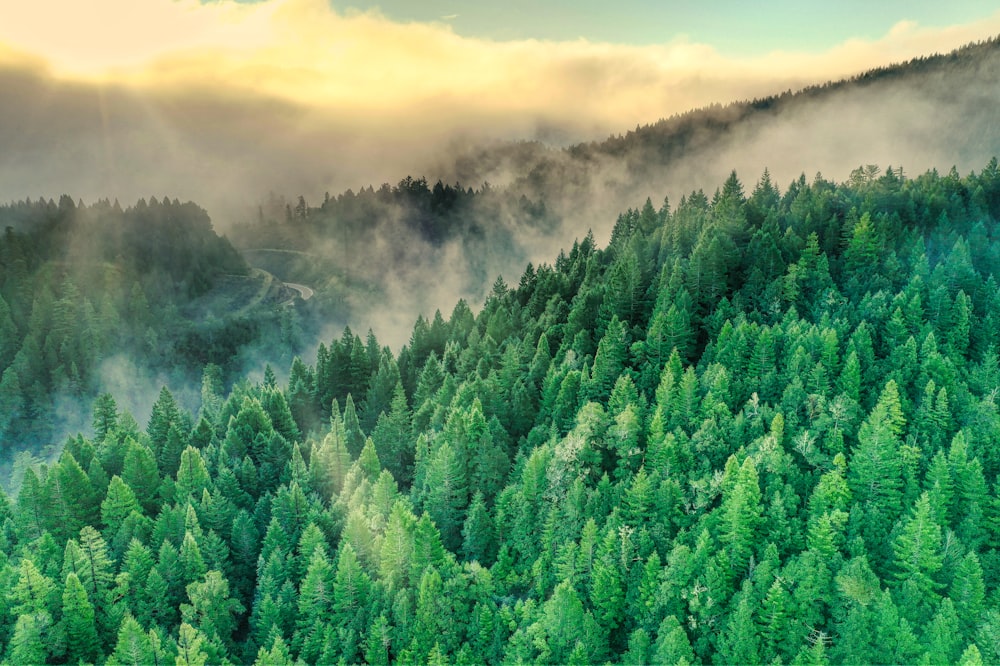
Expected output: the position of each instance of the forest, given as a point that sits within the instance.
(489, 208)
(759, 426)
(86, 288)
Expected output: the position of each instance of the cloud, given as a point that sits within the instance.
(307, 52)
(220, 102)
(225, 102)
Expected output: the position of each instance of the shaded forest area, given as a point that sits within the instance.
(754, 427)
(85, 287)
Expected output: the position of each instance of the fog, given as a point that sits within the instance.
(221, 103)
(229, 150)
(301, 100)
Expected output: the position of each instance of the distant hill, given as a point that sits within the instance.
(422, 244)
(931, 112)
(97, 297)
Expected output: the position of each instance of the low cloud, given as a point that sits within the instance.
(224, 101)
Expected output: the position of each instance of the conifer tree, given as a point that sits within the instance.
(78, 618)
(118, 504)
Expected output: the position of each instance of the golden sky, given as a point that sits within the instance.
(377, 69)
(224, 101)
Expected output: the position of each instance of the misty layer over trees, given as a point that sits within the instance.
(753, 428)
(87, 289)
(396, 250)
(393, 243)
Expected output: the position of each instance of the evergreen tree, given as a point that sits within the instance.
(118, 504)
(876, 470)
(78, 617)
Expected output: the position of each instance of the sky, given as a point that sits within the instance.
(734, 27)
(304, 96)
(225, 102)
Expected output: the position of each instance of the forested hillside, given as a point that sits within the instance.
(489, 209)
(753, 429)
(85, 288)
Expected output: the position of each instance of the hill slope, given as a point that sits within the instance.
(751, 428)
(422, 244)
(95, 297)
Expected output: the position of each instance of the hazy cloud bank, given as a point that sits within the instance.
(222, 102)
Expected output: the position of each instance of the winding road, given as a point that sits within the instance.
(305, 292)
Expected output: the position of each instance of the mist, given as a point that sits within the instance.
(298, 99)
(224, 102)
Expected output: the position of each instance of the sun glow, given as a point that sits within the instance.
(362, 63)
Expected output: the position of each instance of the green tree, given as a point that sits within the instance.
(350, 588)
(740, 512)
(134, 647)
(393, 437)
(875, 476)
(105, 417)
(740, 644)
(610, 361)
(212, 610)
(445, 493)
(315, 606)
(968, 592)
(192, 474)
(28, 644)
(139, 472)
(918, 557)
(118, 504)
(189, 646)
(78, 618)
(672, 643)
(32, 594)
(479, 533)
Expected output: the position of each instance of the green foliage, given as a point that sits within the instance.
(725, 438)
(78, 621)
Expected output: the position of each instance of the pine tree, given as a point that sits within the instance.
(79, 502)
(350, 588)
(393, 437)
(135, 647)
(672, 644)
(277, 656)
(396, 551)
(139, 472)
(428, 550)
(315, 606)
(942, 638)
(212, 609)
(918, 558)
(192, 564)
(78, 618)
(478, 533)
(189, 646)
(28, 644)
(610, 360)
(445, 492)
(32, 594)
(192, 475)
(105, 417)
(352, 428)
(607, 589)
(118, 504)
(95, 570)
(741, 513)
(876, 470)
(740, 642)
(968, 591)
(563, 622)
